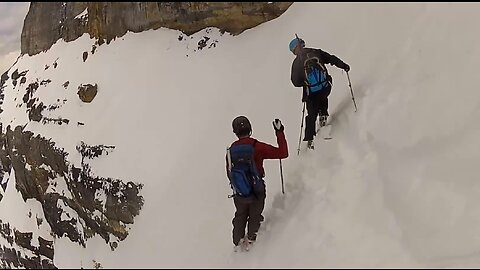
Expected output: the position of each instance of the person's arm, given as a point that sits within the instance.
(268, 151)
(333, 60)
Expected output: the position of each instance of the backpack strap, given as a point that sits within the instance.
(229, 169)
(253, 157)
(254, 165)
(229, 161)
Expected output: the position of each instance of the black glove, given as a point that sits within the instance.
(277, 125)
(346, 68)
(304, 98)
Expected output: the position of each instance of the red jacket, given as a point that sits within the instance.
(266, 151)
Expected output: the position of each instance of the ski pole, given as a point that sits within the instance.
(351, 91)
(303, 112)
(281, 175)
(301, 128)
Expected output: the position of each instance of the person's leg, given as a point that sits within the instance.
(255, 217)
(239, 221)
(323, 101)
(313, 108)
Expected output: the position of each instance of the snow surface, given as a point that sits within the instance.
(397, 186)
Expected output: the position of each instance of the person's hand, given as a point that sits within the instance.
(304, 98)
(346, 68)
(277, 125)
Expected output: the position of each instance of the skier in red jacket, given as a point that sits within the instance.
(249, 209)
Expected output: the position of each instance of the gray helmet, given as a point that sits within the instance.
(241, 126)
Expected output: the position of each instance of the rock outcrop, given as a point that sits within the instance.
(47, 22)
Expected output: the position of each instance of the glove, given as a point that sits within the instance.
(346, 68)
(277, 125)
(304, 98)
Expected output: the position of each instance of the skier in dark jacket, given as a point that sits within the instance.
(317, 102)
(249, 209)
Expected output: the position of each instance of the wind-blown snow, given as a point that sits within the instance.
(395, 187)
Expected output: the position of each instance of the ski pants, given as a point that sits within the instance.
(317, 104)
(248, 211)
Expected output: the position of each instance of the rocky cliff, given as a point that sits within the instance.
(47, 22)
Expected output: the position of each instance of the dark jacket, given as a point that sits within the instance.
(298, 69)
(266, 151)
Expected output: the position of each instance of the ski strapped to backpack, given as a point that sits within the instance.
(316, 76)
(242, 171)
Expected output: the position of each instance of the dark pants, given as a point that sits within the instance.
(317, 104)
(248, 210)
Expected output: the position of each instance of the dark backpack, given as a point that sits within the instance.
(315, 74)
(242, 171)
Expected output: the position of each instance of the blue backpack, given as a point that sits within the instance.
(242, 172)
(315, 75)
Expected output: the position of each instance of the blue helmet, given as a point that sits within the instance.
(293, 44)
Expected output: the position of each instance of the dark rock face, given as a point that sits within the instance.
(47, 22)
(42, 254)
(87, 92)
(37, 162)
(103, 206)
(3, 80)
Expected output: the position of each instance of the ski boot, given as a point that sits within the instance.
(323, 120)
(310, 145)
